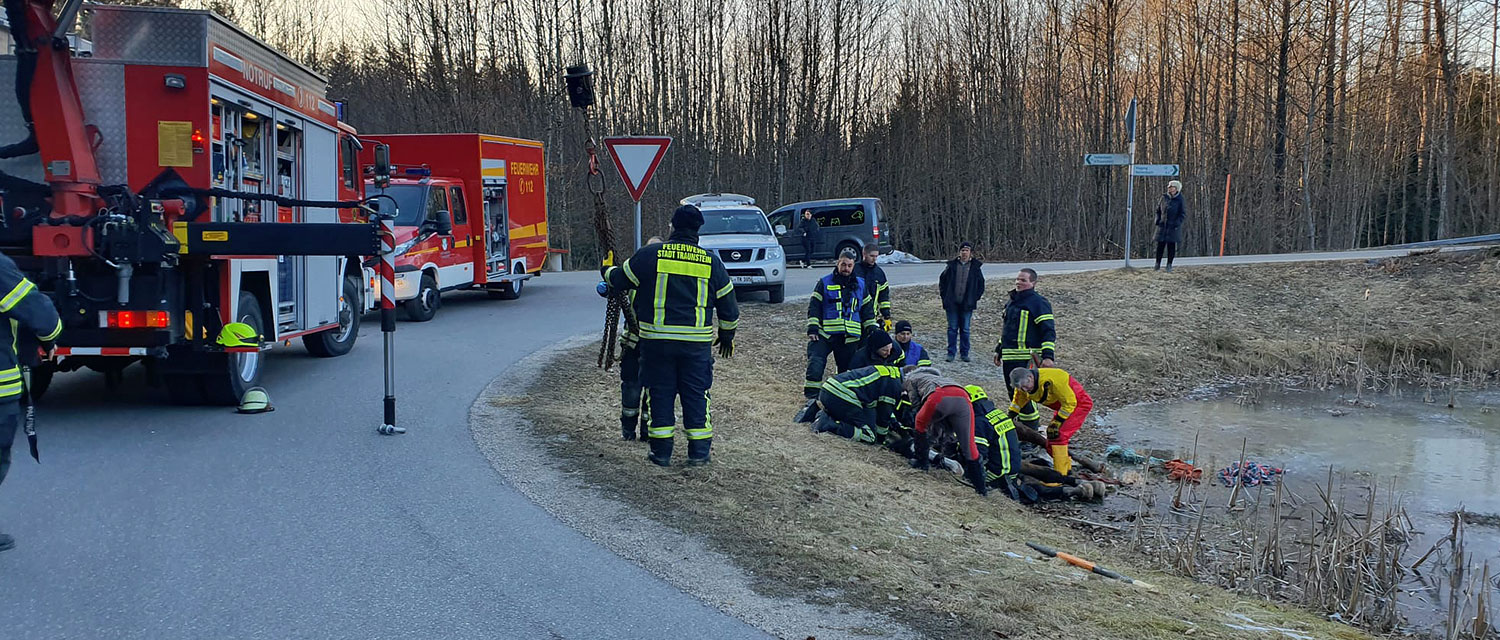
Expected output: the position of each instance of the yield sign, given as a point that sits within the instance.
(636, 158)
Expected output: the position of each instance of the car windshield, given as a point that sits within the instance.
(722, 221)
(411, 200)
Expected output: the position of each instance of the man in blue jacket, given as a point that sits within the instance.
(32, 321)
(840, 311)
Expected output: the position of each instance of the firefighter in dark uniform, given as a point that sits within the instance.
(679, 288)
(860, 404)
(631, 396)
(1028, 338)
(33, 322)
(633, 401)
(840, 311)
(999, 448)
(875, 279)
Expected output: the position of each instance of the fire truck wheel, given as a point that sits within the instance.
(509, 290)
(224, 386)
(423, 307)
(337, 342)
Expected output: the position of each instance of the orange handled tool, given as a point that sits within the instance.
(1085, 564)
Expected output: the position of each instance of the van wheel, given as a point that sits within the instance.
(423, 307)
(337, 342)
(850, 246)
(508, 290)
(777, 294)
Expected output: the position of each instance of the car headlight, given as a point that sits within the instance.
(402, 248)
(773, 253)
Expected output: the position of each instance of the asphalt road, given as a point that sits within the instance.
(153, 521)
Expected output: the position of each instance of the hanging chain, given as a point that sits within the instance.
(618, 304)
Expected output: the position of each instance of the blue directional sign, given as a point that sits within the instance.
(1105, 159)
(1154, 170)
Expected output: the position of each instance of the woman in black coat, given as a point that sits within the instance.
(1169, 216)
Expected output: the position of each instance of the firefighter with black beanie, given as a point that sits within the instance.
(679, 288)
(840, 313)
(28, 320)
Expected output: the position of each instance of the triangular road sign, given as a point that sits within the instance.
(636, 158)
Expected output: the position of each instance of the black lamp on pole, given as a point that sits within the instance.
(580, 81)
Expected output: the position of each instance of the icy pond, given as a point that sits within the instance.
(1440, 458)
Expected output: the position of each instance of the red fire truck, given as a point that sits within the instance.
(473, 215)
(183, 177)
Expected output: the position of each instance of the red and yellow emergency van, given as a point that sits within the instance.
(472, 213)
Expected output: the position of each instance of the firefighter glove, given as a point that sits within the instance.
(887, 324)
(1054, 430)
(725, 341)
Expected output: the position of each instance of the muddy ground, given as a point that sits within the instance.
(834, 522)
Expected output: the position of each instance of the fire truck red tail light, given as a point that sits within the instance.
(876, 231)
(135, 319)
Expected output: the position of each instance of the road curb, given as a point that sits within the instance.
(505, 437)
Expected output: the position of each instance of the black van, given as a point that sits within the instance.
(844, 223)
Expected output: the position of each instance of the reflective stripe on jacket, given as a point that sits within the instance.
(875, 387)
(1028, 328)
(840, 308)
(32, 318)
(679, 287)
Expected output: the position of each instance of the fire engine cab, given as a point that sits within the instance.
(473, 215)
(184, 177)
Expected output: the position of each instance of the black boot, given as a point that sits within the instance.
(698, 452)
(974, 471)
(6, 542)
(627, 427)
(809, 411)
(661, 452)
(645, 432)
(824, 424)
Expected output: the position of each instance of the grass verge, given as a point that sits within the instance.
(831, 521)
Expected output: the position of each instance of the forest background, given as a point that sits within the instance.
(1345, 123)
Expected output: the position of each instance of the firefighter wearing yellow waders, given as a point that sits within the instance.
(679, 288)
(1058, 391)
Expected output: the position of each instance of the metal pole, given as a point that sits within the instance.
(1224, 227)
(637, 225)
(1129, 199)
(388, 321)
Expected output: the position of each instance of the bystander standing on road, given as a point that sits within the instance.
(1170, 213)
(960, 287)
(809, 230)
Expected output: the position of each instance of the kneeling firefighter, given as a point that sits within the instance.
(679, 288)
(860, 404)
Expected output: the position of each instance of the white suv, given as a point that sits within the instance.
(737, 230)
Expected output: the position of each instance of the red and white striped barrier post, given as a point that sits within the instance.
(388, 319)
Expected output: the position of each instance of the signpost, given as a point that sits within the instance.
(1105, 159)
(1129, 183)
(1154, 170)
(1128, 159)
(637, 158)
